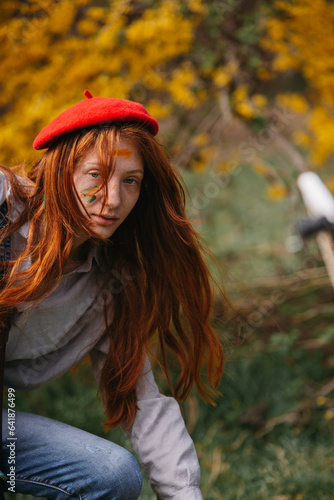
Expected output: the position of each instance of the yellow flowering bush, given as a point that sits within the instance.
(181, 60)
(301, 39)
(52, 51)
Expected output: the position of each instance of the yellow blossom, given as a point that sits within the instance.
(87, 27)
(259, 100)
(180, 85)
(241, 93)
(201, 139)
(260, 168)
(276, 191)
(209, 153)
(198, 166)
(329, 415)
(302, 138)
(242, 102)
(223, 75)
(157, 109)
(296, 102)
(245, 109)
(154, 79)
(321, 123)
(228, 166)
(96, 12)
(106, 37)
(197, 6)
(285, 61)
(321, 400)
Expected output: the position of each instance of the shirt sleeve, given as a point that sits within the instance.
(3, 187)
(159, 438)
(162, 443)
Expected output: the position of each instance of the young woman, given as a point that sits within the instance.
(103, 261)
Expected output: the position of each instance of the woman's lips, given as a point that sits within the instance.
(105, 220)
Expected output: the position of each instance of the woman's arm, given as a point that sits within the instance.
(159, 438)
(162, 443)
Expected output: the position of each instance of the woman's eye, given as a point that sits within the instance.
(131, 182)
(95, 175)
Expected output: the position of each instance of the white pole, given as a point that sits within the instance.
(319, 202)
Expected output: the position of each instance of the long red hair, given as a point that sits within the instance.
(169, 293)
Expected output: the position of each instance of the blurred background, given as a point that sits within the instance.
(244, 93)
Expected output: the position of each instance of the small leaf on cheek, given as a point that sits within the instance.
(93, 198)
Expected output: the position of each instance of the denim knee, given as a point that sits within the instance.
(57, 461)
(126, 481)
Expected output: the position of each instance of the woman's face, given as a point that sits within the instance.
(123, 190)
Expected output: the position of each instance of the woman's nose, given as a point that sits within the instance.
(113, 197)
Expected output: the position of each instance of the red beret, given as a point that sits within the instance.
(93, 112)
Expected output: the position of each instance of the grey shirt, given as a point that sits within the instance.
(47, 340)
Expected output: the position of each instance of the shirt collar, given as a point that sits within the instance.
(93, 255)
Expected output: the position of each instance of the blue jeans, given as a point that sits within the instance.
(57, 461)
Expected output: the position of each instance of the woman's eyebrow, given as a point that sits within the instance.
(137, 171)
